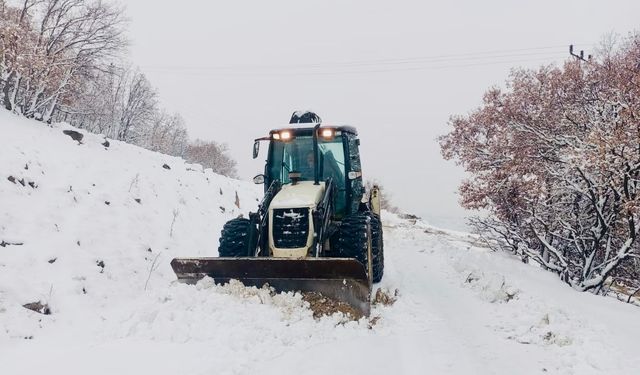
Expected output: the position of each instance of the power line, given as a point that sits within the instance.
(355, 64)
(456, 66)
(361, 71)
(548, 50)
(434, 62)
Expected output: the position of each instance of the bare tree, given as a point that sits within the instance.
(118, 102)
(212, 155)
(138, 108)
(99, 104)
(167, 135)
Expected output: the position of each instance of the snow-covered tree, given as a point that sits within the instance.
(50, 46)
(167, 135)
(555, 158)
(212, 155)
(119, 103)
(138, 109)
(60, 60)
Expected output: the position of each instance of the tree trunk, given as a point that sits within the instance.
(6, 96)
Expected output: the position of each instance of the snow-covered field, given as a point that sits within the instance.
(93, 234)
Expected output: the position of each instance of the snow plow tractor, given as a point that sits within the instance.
(314, 230)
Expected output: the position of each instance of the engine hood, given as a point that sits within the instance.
(303, 194)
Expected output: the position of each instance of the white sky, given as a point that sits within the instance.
(236, 69)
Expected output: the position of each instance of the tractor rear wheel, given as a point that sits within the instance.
(352, 241)
(378, 254)
(236, 235)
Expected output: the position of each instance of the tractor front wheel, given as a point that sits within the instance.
(239, 238)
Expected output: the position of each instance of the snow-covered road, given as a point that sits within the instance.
(460, 310)
(94, 236)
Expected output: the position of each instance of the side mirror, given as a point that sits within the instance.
(259, 179)
(256, 149)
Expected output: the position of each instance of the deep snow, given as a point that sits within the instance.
(116, 308)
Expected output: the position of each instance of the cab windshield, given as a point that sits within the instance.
(297, 156)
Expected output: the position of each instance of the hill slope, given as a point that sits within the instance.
(93, 233)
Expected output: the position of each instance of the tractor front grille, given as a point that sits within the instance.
(290, 227)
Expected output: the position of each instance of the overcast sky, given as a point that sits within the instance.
(394, 69)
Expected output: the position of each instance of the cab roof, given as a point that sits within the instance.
(298, 130)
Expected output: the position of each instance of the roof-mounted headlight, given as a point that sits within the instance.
(285, 135)
(327, 133)
(282, 135)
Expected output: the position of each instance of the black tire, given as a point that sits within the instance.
(352, 241)
(234, 241)
(378, 253)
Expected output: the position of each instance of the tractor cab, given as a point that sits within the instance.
(312, 156)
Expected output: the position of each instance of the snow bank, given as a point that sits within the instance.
(88, 226)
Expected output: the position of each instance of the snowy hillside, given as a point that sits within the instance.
(82, 224)
(89, 231)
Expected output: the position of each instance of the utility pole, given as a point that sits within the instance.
(580, 56)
